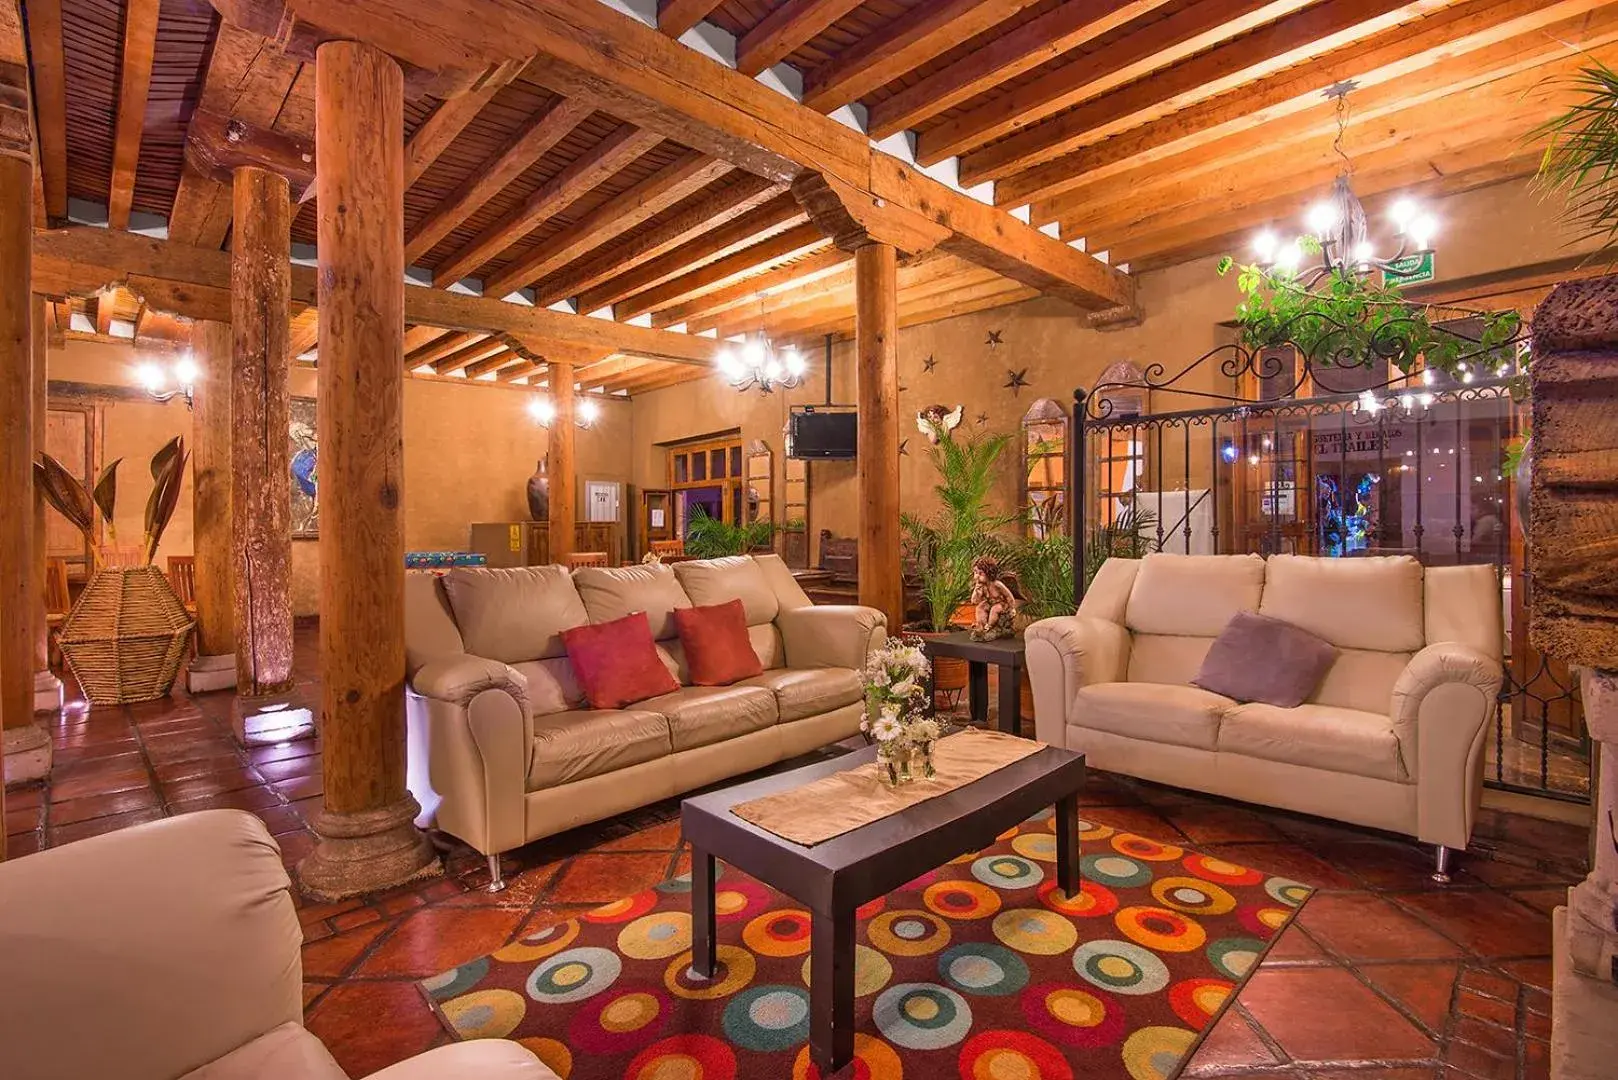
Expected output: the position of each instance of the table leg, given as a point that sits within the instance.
(977, 691)
(703, 950)
(1067, 845)
(1010, 699)
(831, 990)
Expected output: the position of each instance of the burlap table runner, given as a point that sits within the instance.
(839, 803)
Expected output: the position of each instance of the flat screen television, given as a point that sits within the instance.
(823, 435)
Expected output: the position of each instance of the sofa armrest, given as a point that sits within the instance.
(1065, 654)
(471, 740)
(476, 1059)
(1442, 704)
(832, 635)
(147, 952)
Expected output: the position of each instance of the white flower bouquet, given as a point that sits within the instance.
(897, 714)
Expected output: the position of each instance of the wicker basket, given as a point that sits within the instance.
(126, 637)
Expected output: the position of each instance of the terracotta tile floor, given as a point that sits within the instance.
(1385, 976)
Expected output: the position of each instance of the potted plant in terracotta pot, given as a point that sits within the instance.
(944, 545)
(126, 635)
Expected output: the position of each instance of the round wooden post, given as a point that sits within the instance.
(214, 666)
(368, 839)
(563, 467)
(876, 333)
(47, 687)
(261, 483)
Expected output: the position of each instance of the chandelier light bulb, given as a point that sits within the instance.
(1369, 403)
(1425, 399)
(1402, 213)
(185, 371)
(1422, 230)
(542, 409)
(150, 377)
(1407, 401)
(753, 353)
(1362, 252)
(589, 412)
(1321, 218)
(1288, 256)
(794, 363)
(1264, 245)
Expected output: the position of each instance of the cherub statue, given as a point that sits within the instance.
(994, 599)
(936, 422)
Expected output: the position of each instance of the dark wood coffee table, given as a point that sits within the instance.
(833, 878)
(1008, 654)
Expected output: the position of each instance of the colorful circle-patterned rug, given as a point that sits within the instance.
(980, 969)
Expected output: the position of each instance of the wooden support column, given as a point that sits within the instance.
(24, 744)
(368, 839)
(563, 463)
(47, 687)
(261, 483)
(214, 666)
(876, 362)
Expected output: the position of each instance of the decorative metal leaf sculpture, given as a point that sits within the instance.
(106, 497)
(168, 475)
(66, 493)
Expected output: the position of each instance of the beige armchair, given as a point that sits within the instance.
(170, 951)
(1393, 737)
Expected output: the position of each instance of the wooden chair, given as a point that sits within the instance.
(667, 548)
(587, 558)
(58, 601)
(183, 578)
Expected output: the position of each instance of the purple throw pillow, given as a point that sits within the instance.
(1257, 658)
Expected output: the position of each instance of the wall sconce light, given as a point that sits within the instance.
(585, 413)
(1229, 452)
(162, 382)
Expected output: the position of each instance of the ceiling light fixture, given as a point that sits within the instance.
(164, 382)
(755, 362)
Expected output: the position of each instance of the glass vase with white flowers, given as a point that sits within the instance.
(897, 718)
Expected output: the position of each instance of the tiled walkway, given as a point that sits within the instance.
(1385, 976)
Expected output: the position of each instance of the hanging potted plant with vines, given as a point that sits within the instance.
(127, 633)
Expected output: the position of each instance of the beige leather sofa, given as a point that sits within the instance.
(504, 750)
(1393, 737)
(170, 951)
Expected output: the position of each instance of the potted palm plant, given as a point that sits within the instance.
(126, 635)
(710, 537)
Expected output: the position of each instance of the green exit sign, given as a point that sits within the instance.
(1410, 270)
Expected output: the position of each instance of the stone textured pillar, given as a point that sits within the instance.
(47, 687)
(261, 483)
(876, 342)
(1573, 555)
(368, 839)
(563, 465)
(214, 666)
(25, 745)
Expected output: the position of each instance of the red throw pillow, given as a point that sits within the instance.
(717, 648)
(617, 662)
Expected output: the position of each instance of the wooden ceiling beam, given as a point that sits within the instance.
(304, 334)
(741, 195)
(1035, 42)
(433, 136)
(697, 314)
(685, 176)
(103, 305)
(675, 17)
(793, 242)
(134, 84)
(491, 365)
(48, 66)
(784, 29)
(461, 359)
(923, 32)
(1297, 38)
(532, 141)
(417, 336)
(442, 347)
(713, 243)
(579, 178)
(1498, 35)
(653, 378)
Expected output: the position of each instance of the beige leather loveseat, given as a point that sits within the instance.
(171, 951)
(1393, 737)
(503, 749)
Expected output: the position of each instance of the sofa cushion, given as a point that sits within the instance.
(1361, 679)
(617, 662)
(287, 1051)
(611, 593)
(1193, 595)
(1317, 736)
(552, 685)
(430, 631)
(1155, 712)
(1383, 593)
(578, 745)
(513, 613)
(737, 577)
(803, 692)
(1160, 658)
(699, 715)
(718, 650)
(1257, 658)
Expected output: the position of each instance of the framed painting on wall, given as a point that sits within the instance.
(303, 458)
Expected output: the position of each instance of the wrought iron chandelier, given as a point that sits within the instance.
(162, 384)
(1337, 226)
(755, 362)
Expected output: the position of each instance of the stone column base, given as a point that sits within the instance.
(207, 673)
(27, 751)
(47, 692)
(367, 851)
(1584, 1040)
(272, 718)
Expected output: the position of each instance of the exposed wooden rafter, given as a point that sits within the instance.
(440, 129)
(50, 100)
(675, 17)
(134, 83)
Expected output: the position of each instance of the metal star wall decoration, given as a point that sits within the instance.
(1016, 380)
(929, 363)
(904, 447)
(983, 418)
(994, 338)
